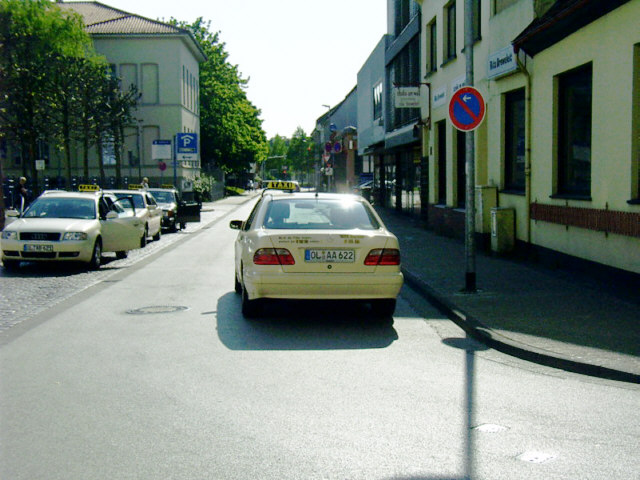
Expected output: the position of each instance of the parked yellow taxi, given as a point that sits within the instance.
(71, 226)
(146, 209)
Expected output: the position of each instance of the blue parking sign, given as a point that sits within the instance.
(187, 143)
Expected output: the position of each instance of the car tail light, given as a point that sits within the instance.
(383, 256)
(273, 256)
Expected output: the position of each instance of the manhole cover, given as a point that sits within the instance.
(157, 309)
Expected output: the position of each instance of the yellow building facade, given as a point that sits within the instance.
(559, 146)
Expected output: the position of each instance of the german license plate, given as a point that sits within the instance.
(38, 248)
(329, 255)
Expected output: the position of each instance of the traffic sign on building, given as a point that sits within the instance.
(466, 109)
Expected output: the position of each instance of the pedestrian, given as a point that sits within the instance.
(22, 195)
(145, 183)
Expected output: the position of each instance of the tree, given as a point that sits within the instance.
(33, 35)
(231, 134)
(299, 154)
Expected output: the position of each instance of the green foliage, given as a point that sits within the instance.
(231, 134)
(54, 86)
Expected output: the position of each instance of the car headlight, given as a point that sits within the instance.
(74, 236)
(9, 235)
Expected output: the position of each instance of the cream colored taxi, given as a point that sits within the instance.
(64, 226)
(146, 209)
(320, 246)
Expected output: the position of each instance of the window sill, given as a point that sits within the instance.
(571, 196)
(448, 61)
(512, 191)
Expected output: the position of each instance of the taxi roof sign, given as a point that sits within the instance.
(281, 185)
(135, 186)
(88, 188)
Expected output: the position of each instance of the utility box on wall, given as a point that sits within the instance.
(486, 200)
(502, 229)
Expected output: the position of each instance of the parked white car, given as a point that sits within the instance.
(71, 226)
(146, 209)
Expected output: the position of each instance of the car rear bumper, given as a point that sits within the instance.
(313, 286)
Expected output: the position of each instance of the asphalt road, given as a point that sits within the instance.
(152, 372)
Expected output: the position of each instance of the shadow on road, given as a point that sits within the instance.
(302, 325)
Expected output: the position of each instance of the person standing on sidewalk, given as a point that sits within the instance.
(22, 195)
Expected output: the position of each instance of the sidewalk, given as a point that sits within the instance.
(550, 317)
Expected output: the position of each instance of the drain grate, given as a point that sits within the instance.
(157, 309)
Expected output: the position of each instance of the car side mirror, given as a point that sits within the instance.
(112, 215)
(236, 224)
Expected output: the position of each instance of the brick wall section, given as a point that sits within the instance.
(621, 223)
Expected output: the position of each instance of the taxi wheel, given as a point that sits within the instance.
(238, 285)
(384, 308)
(96, 258)
(143, 240)
(250, 308)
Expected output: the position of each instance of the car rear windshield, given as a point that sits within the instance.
(163, 197)
(318, 214)
(138, 201)
(59, 207)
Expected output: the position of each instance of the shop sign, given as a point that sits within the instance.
(501, 62)
(439, 97)
(458, 83)
(407, 97)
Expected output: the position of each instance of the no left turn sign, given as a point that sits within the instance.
(466, 109)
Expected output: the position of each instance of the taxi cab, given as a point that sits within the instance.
(71, 226)
(320, 246)
(146, 209)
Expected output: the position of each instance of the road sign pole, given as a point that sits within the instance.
(470, 225)
(175, 161)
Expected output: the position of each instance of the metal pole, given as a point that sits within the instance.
(470, 226)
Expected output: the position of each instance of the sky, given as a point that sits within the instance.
(298, 55)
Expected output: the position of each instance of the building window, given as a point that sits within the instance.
(450, 31)
(129, 76)
(404, 12)
(404, 71)
(574, 132)
(514, 141)
(432, 47)
(150, 80)
(477, 20)
(499, 5)
(377, 101)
